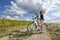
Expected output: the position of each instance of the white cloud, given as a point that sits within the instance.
(54, 5)
(9, 17)
(20, 7)
(47, 17)
(53, 21)
(16, 17)
(31, 6)
(28, 19)
(37, 5)
(14, 9)
(56, 14)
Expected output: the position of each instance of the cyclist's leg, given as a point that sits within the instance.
(38, 22)
(42, 25)
(39, 25)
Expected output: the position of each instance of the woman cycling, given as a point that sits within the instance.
(42, 19)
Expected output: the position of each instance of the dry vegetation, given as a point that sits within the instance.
(7, 26)
(54, 30)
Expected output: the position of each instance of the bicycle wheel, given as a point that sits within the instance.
(30, 28)
(45, 28)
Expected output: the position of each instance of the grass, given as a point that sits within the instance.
(7, 23)
(7, 26)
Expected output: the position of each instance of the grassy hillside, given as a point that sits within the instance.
(7, 23)
(7, 26)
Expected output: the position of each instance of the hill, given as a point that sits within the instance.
(7, 26)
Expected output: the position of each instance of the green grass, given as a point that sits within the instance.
(6, 23)
(7, 26)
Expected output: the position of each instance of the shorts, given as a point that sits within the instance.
(41, 19)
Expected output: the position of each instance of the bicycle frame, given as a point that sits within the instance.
(36, 23)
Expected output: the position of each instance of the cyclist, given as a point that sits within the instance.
(37, 18)
(42, 19)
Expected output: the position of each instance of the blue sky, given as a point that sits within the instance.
(25, 9)
(3, 3)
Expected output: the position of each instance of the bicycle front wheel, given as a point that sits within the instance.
(30, 28)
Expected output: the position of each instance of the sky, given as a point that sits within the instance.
(25, 9)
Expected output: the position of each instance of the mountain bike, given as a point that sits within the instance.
(34, 27)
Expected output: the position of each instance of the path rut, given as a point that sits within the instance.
(43, 36)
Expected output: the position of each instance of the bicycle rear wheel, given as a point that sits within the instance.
(45, 27)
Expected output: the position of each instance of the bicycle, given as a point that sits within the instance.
(31, 27)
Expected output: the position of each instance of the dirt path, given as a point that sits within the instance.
(43, 36)
(4, 38)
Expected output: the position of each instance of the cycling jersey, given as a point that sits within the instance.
(41, 17)
(37, 17)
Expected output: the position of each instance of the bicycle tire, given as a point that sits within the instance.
(45, 27)
(29, 28)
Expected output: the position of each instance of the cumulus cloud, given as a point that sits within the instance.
(28, 19)
(14, 9)
(54, 10)
(20, 7)
(47, 17)
(55, 4)
(9, 17)
(31, 6)
(56, 14)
